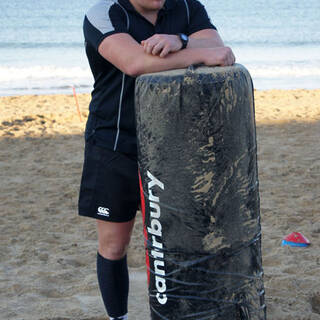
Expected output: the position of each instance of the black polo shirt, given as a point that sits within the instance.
(111, 122)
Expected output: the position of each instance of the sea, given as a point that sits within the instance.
(42, 45)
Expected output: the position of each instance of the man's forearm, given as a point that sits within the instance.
(147, 63)
(205, 39)
(130, 57)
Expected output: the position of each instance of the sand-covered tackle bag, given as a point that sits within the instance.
(200, 198)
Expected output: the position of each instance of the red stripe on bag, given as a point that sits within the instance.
(143, 210)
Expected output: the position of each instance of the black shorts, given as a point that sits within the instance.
(109, 186)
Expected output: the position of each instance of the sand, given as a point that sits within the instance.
(48, 253)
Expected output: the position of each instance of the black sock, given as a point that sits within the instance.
(113, 278)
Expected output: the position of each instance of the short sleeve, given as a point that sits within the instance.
(199, 19)
(103, 20)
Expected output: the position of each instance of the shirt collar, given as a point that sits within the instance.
(168, 5)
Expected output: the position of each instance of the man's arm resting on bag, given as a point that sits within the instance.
(130, 57)
(162, 44)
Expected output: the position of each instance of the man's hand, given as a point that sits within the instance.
(162, 44)
(221, 56)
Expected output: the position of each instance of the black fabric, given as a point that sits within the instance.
(110, 185)
(199, 18)
(107, 18)
(113, 281)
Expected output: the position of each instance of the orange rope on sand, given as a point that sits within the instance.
(77, 103)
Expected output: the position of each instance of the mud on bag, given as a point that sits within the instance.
(200, 197)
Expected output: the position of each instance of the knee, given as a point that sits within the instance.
(114, 239)
(113, 251)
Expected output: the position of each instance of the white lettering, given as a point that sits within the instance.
(156, 244)
(162, 298)
(157, 254)
(155, 230)
(155, 214)
(161, 284)
(154, 182)
(152, 197)
(157, 270)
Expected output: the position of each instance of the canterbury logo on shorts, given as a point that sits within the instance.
(103, 212)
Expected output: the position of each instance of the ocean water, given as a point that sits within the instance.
(42, 51)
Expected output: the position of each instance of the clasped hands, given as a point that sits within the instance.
(162, 44)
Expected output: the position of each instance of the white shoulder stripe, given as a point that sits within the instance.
(98, 15)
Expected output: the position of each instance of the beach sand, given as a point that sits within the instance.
(48, 253)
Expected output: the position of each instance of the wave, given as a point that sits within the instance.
(273, 43)
(42, 72)
(40, 45)
(11, 74)
(44, 79)
(54, 79)
(240, 43)
(284, 71)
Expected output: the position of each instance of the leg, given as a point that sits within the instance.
(112, 267)
(109, 193)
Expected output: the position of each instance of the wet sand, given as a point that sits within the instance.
(48, 253)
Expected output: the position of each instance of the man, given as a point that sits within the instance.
(124, 39)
